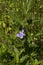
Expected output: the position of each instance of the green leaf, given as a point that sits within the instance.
(27, 63)
(21, 52)
(16, 53)
(23, 58)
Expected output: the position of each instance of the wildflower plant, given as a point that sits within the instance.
(21, 32)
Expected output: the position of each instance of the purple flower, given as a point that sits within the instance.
(21, 34)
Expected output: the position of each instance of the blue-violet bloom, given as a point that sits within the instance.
(21, 34)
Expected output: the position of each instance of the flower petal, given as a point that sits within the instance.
(17, 35)
(21, 37)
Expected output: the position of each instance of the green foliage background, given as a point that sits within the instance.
(15, 15)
